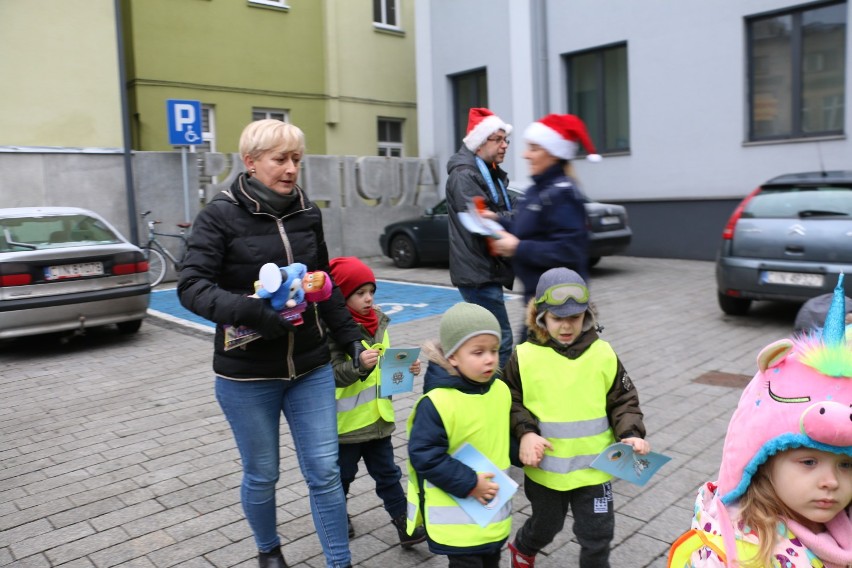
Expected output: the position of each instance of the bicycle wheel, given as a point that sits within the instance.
(156, 265)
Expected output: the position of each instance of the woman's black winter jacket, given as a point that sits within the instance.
(232, 237)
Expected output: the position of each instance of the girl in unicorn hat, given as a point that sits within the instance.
(785, 483)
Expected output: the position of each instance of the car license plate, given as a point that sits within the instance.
(63, 271)
(610, 220)
(793, 278)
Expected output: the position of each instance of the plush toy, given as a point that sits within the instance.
(317, 286)
(289, 286)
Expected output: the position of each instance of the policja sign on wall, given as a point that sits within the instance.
(184, 119)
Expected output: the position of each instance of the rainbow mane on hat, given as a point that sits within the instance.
(800, 397)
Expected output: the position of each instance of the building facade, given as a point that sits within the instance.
(691, 104)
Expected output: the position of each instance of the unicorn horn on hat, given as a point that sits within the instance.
(834, 330)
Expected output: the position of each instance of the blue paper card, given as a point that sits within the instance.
(621, 461)
(395, 376)
(482, 514)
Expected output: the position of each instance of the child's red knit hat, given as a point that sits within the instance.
(349, 273)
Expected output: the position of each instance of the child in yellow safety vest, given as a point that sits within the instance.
(365, 421)
(783, 498)
(462, 403)
(571, 398)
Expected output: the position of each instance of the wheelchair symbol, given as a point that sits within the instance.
(190, 136)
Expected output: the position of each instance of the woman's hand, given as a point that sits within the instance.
(414, 369)
(505, 245)
(532, 449)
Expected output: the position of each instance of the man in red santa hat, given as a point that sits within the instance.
(475, 176)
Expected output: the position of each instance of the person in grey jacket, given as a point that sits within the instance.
(474, 174)
(266, 217)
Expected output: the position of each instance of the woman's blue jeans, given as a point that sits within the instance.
(253, 409)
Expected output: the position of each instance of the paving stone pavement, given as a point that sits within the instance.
(114, 452)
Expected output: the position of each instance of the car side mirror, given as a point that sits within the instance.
(430, 211)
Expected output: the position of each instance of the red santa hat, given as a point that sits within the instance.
(482, 123)
(561, 135)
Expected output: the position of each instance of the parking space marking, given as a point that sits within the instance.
(401, 301)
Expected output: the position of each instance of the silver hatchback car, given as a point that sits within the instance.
(786, 241)
(67, 269)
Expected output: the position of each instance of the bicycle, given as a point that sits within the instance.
(156, 254)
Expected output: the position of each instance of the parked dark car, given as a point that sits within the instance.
(425, 239)
(786, 241)
(67, 269)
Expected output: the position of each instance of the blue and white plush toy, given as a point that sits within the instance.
(282, 286)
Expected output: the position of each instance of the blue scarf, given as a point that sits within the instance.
(483, 169)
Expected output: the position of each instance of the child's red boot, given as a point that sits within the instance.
(521, 560)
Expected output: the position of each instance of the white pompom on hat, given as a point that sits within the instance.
(482, 123)
(561, 135)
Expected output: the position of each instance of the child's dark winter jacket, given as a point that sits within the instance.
(430, 447)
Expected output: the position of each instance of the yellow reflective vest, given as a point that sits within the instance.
(483, 422)
(359, 405)
(568, 396)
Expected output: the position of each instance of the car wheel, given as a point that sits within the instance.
(129, 326)
(593, 261)
(733, 306)
(403, 252)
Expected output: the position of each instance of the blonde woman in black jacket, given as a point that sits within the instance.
(266, 217)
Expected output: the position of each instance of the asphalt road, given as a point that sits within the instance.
(114, 452)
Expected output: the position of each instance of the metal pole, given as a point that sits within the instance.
(125, 125)
(185, 184)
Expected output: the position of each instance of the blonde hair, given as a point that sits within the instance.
(761, 510)
(262, 136)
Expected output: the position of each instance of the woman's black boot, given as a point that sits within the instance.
(271, 559)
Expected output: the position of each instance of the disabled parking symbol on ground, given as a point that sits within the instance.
(401, 301)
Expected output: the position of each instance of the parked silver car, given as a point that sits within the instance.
(788, 240)
(66, 269)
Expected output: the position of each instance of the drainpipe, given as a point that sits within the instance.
(541, 83)
(125, 126)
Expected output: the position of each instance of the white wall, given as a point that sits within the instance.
(687, 82)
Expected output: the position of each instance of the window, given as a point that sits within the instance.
(470, 90)
(208, 144)
(208, 129)
(797, 72)
(597, 93)
(277, 114)
(386, 13)
(390, 137)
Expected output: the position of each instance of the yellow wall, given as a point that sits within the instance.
(60, 74)
(370, 74)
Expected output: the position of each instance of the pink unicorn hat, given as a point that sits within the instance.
(801, 396)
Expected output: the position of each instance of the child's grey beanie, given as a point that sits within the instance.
(463, 321)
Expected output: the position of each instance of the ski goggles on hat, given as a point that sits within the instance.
(558, 294)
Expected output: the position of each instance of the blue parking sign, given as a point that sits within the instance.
(184, 119)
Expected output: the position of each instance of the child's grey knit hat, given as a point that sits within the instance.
(463, 321)
(562, 292)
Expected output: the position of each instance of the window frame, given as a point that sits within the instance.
(798, 60)
(269, 111)
(382, 7)
(282, 4)
(386, 147)
(599, 134)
